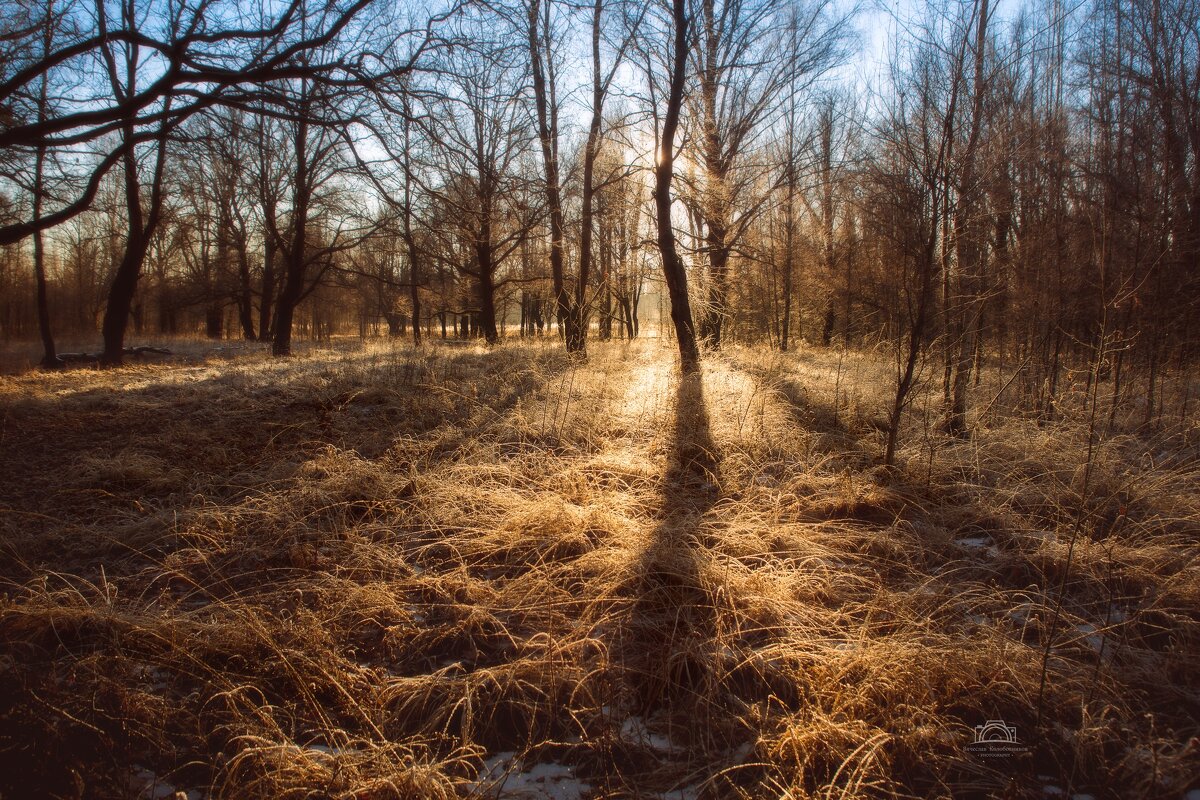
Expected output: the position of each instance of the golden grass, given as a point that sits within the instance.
(444, 572)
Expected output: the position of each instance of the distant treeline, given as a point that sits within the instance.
(1019, 184)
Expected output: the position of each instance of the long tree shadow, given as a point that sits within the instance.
(672, 627)
(826, 425)
(138, 458)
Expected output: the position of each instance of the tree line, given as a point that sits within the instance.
(1017, 184)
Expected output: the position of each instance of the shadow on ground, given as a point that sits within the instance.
(108, 464)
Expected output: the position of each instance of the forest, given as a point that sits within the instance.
(564, 399)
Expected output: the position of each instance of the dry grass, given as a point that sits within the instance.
(458, 572)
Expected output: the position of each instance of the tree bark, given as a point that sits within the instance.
(486, 318)
(296, 255)
(410, 241)
(674, 272)
(971, 250)
(142, 221)
(548, 135)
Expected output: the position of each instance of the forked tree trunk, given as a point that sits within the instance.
(296, 258)
(142, 224)
(142, 220)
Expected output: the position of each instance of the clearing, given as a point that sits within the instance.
(458, 571)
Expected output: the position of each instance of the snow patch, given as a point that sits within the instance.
(146, 785)
(1095, 640)
(502, 776)
(324, 749)
(974, 542)
(634, 730)
(980, 545)
(1050, 790)
(152, 677)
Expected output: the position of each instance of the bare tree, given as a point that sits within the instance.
(970, 232)
(674, 272)
(546, 102)
(48, 24)
(910, 197)
(143, 214)
(323, 221)
(191, 58)
(747, 53)
(479, 125)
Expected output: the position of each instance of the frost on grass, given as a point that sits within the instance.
(502, 573)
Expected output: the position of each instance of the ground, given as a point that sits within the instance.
(453, 571)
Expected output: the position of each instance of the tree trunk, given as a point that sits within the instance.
(141, 227)
(715, 205)
(142, 221)
(673, 270)
(245, 296)
(296, 257)
(789, 267)
(486, 318)
(548, 135)
(49, 355)
(120, 300)
(971, 250)
(915, 339)
(415, 296)
(268, 289)
(410, 241)
(718, 290)
(214, 317)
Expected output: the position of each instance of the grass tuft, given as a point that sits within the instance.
(454, 572)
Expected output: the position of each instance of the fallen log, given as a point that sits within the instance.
(76, 358)
(94, 358)
(138, 352)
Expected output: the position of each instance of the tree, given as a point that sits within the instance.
(908, 200)
(970, 234)
(618, 219)
(322, 221)
(220, 197)
(480, 130)
(269, 176)
(569, 313)
(48, 24)
(143, 214)
(747, 53)
(192, 56)
(674, 272)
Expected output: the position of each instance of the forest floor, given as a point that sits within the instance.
(462, 572)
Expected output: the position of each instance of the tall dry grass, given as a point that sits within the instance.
(459, 572)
